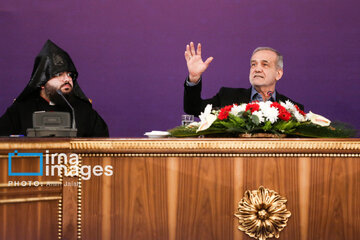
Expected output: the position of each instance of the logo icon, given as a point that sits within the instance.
(15, 153)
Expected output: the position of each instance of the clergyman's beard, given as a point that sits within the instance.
(54, 97)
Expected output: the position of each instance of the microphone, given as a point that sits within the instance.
(72, 109)
(269, 94)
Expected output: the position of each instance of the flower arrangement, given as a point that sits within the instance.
(262, 117)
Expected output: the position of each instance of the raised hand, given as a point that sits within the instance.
(194, 62)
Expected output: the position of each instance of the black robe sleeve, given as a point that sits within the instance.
(88, 122)
(10, 122)
(6, 124)
(99, 127)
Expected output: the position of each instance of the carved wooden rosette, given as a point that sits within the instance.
(262, 213)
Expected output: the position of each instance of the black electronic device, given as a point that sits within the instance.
(51, 124)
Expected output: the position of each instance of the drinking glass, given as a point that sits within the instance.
(186, 119)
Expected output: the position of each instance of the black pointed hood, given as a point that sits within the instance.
(50, 61)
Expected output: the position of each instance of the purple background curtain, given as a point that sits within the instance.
(130, 54)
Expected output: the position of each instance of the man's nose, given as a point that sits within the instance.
(67, 78)
(258, 69)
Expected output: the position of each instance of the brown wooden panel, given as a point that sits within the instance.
(137, 194)
(205, 205)
(280, 175)
(28, 220)
(69, 211)
(334, 211)
(35, 215)
(190, 188)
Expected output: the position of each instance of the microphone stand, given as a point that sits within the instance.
(72, 109)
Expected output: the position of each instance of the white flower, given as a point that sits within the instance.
(265, 105)
(289, 106)
(193, 124)
(269, 113)
(260, 115)
(236, 109)
(206, 118)
(299, 117)
(318, 119)
(206, 112)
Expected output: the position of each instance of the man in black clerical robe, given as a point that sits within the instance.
(266, 68)
(53, 70)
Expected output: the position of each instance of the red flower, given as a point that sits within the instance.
(278, 106)
(283, 113)
(224, 112)
(252, 107)
(299, 110)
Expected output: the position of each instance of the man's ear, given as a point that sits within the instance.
(42, 87)
(279, 74)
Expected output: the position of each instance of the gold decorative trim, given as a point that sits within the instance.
(32, 199)
(32, 184)
(262, 213)
(32, 144)
(60, 209)
(79, 206)
(355, 155)
(182, 145)
(216, 144)
(79, 198)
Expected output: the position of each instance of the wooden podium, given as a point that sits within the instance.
(179, 188)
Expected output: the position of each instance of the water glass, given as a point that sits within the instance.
(186, 119)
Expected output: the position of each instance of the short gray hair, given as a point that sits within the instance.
(279, 60)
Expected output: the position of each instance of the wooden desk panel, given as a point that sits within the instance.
(190, 188)
(27, 211)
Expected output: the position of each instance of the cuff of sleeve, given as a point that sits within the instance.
(191, 84)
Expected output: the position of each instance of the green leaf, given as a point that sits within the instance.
(255, 119)
(267, 126)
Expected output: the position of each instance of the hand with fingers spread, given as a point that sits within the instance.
(195, 64)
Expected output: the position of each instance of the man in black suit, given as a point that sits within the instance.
(265, 70)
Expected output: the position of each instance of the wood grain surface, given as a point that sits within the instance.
(174, 189)
(205, 202)
(34, 216)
